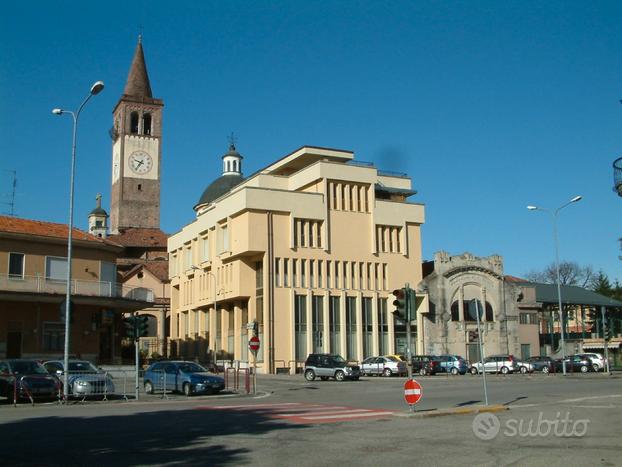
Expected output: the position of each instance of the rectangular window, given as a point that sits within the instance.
(16, 265)
(303, 233)
(277, 272)
(205, 249)
(173, 266)
(317, 314)
(398, 244)
(385, 271)
(319, 235)
(334, 314)
(353, 274)
(311, 274)
(300, 326)
(351, 328)
(187, 258)
(303, 273)
(53, 336)
(320, 276)
(286, 272)
(383, 327)
(294, 273)
(329, 278)
(55, 268)
(196, 321)
(368, 329)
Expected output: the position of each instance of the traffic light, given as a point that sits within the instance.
(130, 326)
(401, 304)
(255, 328)
(142, 326)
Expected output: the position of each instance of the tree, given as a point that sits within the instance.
(570, 273)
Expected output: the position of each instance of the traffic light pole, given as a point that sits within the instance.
(605, 330)
(136, 354)
(481, 351)
(409, 359)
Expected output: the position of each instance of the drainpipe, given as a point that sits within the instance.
(270, 293)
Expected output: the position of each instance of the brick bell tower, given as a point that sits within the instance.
(136, 152)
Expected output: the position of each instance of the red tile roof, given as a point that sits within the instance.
(515, 279)
(18, 225)
(141, 237)
(159, 268)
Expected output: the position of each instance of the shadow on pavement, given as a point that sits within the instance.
(184, 437)
(464, 404)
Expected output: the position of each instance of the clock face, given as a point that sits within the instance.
(140, 162)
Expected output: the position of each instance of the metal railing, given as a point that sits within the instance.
(39, 284)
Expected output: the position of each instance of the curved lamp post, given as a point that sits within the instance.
(96, 88)
(554, 215)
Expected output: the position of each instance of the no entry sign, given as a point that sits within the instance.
(412, 392)
(253, 344)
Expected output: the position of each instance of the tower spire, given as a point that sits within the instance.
(137, 84)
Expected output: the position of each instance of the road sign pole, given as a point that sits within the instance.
(137, 360)
(407, 305)
(481, 351)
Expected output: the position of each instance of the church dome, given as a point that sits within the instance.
(98, 211)
(219, 187)
(231, 176)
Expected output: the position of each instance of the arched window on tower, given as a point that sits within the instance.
(147, 124)
(490, 316)
(235, 166)
(134, 122)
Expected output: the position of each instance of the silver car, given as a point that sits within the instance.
(84, 379)
(496, 364)
(385, 366)
(598, 361)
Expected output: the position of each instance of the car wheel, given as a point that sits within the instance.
(584, 369)
(596, 367)
(148, 387)
(546, 370)
(340, 376)
(473, 371)
(454, 371)
(523, 369)
(505, 370)
(324, 378)
(422, 371)
(387, 372)
(310, 375)
(187, 389)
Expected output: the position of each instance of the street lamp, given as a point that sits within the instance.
(95, 89)
(559, 290)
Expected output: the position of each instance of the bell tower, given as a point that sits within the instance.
(136, 152)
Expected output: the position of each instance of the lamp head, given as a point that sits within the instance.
(97, 87)
(576, 198)
(57, 111)
(532, 208)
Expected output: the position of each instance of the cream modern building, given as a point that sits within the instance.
(310, 248)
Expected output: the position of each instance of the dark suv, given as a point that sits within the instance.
(426, 364)
(327, 366)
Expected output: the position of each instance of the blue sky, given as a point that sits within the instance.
(489, 106)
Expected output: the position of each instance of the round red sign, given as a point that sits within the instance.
(412, 392)
(253, 344)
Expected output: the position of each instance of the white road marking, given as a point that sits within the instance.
(328, 417)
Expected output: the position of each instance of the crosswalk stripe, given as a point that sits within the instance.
(324, 412)
(248, 406)
(327, 417)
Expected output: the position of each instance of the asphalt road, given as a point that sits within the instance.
(552, 421)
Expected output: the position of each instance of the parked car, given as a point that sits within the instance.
(180, 376)
(576, 363)
(83, 378)
(597, 360)
(525, 366)
(453, 364)
(26, 377)
(385, 366)
(542, 363)
(327, 366)
(426, 364)
(496, 364)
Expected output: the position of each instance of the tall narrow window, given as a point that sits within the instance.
(334, 314)
(286, 272)
(277, 271)
(351, 328)
(204, 249)
(367, 327)
(383, 327)
(320, 276)
(303, 273)
(311, 274)
(317, 313)
(134, 123)
(294, 273)
(147, 124)
(16, 265)
(300, 326)
(329, 278)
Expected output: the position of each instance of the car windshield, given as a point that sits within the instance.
(191, 368)
(28, 368)
(337, 360)
(82, 367)
(392, 359)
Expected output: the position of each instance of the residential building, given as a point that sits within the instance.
(308, 249)
(33, 284)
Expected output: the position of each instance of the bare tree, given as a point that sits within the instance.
(570, 273)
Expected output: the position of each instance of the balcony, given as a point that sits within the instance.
(85, 288)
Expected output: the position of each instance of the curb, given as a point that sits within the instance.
(455, 411)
